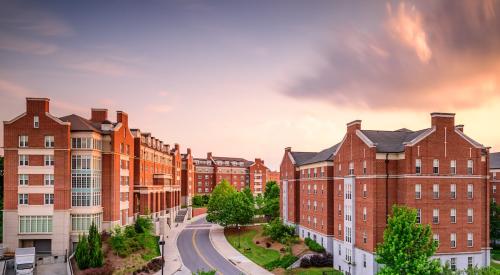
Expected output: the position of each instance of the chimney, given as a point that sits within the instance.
(460, 127)
(258, 160)
(176, 146)
(441, 120)
(354, 125)
(37, 105)
(98, 115)
(189, 151)
(168, 148)
(288, 149)
(122, 117)
(209, 155)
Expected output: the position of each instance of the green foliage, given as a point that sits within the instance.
(259, 205)
(272, 190)
(200, 201)
(239, 209)
(494, 221)
(95, 247)
(271, 207)
(132, 238)
(470, 271)
(143, 224)
(217, 205)
(284, 262)
(407, 246)
(313, 245)
(278, 231)
(202, 272)
(82, 253)
(249, 195)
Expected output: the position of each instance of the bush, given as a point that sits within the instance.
(200, 201)
(314, 246)
(143, 224)
(107, 269)
(278, 231)
(82, 253)
(323, 260)
(135, 237)
(283, 262)
(305, 262)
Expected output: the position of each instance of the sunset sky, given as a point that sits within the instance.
(248, 78)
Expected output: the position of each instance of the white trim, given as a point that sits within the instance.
(460, 133)
(14, 119)
(290, 156)
(35, 189)
(413, 176)
(38, 152)
(365, 139)
(392, 156)
(57, 119)
(316, 164)
(420, 137)
(340, 145)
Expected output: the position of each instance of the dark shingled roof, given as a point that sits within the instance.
(495, 160)
(391, 141)
(301, 157)
(324, 155)
(79, 123)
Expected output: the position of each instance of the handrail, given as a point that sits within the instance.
(69, 267)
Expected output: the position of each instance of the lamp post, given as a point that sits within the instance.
(239, 237)
(162, 243)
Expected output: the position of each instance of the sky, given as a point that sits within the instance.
(249, 78)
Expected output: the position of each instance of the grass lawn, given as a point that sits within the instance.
(313, 271)
(257, 254)
(495, 265)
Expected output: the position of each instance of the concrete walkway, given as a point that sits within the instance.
(224, 248)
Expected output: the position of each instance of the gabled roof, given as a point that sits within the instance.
(325, 155)
(79, 123)
(495, 160)
(301, 157)
(391, 141)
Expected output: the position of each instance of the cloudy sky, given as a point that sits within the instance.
(248, 78)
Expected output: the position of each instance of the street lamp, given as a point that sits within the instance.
(239, 237)
(162, 243)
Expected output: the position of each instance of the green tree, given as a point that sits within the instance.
(494, 222)
(82, 256)
(272, 190)
(271, 208)
(407, 246)
(96, 257)
(259, 205)
(278, 231)
(217, 205)
(239, 210)
(249, 195)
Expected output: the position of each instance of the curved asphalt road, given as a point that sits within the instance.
(197, 252)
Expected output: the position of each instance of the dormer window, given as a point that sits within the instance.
(36, 122)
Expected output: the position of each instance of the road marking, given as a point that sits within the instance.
(199, 253)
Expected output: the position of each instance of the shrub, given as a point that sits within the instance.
(82, 253)
(143, 224)
(305, 262)
(268, 244)
(314, 246)
(278, 231)
(96, 257)
(283, 262)
(107, 269)
(323, 260)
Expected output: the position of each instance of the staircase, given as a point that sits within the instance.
(181, 215)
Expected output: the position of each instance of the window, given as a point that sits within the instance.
(470, 263)
(453, 264)
(340, 229)
(23, 199)
(419, 215)
(470, 191)
(470, 215)
(48, 179)
(453, 240)
(435, 191)
(470, 240)
(340, 249)
(364, 167)
(80, 198)
(453, 167)
(365, 237)
(36, 122)
(35, 224)
(364, 260)
(435, 216)
(315, 189)
(453, 191)
(364, 214)
(453, 215)
(470, 167)
(48, 160)
(23, 141)
(339, 193)
(418, 166)
(49, 198)
(365, 190)
(494, 188)
(435, 237)
(82, 222)
(351, 168)
(24, 179)
(435, 166)
(49, 141)
(340, 210)
(418, 191)
(23, 160)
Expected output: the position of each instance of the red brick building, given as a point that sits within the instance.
(238, 172)
(495, 176)
(273, 176)
(187, 187)
(439, 171)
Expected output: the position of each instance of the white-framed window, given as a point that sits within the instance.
(418, 166)
(48, 179)
(49, 198)
(23, 141)
(340, 229)
(364, 167)
(365, 237)
(418, 191)
(82, 222)
(364, 260)
(315, 205)
(453, 215)
(419, 215)
(453, 167)
(435, 237)
(315, 189)
(23, 199)
(494, 188)
(470, 262)
(453, 264)
(470, 240)
(435, 216)
(24, 179)
(453, 191)
(364, 214)
(435, 166)
(365, 190)
(435, 191)
(470, 191)
(23, 160)
(36, 122)
(351, 168)
(49, 141)
(340, 210)
(470, 215)
(35, 224)
(48, 160)
(453, 240)
(470, 167)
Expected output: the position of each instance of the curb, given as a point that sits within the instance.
(222, 254)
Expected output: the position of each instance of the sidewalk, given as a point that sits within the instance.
(231, 254)
(173, 261)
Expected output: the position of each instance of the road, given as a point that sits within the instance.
(198, 253)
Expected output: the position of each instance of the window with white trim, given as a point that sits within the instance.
(364, 167)
(470, 263)
(435, 191)
(49, 141)
(418, 191)
(453, 215)
(365, 190)
(23, 199)
(351, 168)
(419, 215)
(23, 160)
(365, 237)
(435, 216)
(453, 240)
(48, 160)
(453, 191)
(470, 191)
(36, 122)
(494, 188)
(453, 264)
(435, 166)
(49, 199)
(470, 167)
(418, 166)
(23, 141)
(24, 179)
(470, 215)
(453, 167)
(48, 179)
(470, 240)
(35, 224)
(364, 214)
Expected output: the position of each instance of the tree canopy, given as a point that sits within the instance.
(407, 246)
(229, 207)
(494, 222)
(271, 207)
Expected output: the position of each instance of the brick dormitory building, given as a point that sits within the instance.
(342, 196)
(63, 173)
(239, 172)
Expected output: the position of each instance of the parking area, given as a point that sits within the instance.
(41, 269)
